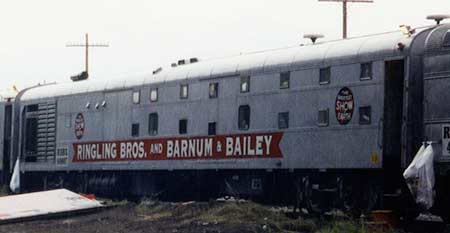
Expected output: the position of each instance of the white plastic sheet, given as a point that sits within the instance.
(420, 177)
(14, 184)
(46, 203)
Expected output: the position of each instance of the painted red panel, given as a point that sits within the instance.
(257, 145)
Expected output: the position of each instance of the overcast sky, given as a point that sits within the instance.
(146, 34)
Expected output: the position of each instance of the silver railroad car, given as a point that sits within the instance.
(337, 118)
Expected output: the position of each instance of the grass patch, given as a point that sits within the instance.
(352, 226)
(246, 216)
(150, 210)
(342, 226)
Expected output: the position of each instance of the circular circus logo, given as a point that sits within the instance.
(79, 126)
(344, 106)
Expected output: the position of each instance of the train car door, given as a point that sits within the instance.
(392, 117)
(117, 116)
(5, 129)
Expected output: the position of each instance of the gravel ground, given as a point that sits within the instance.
(190, 217)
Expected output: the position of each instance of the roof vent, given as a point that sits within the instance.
(157, 70)
(313, 37)
(438, 17)
(82, 76)
(185, 62)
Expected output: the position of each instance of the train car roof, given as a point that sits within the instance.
(357, 49)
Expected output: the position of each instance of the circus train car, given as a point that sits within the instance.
(331, 121)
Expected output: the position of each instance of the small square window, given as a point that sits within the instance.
(213, 90)
(283, 120)
(285, 79)
(182, 126)
(366, 71)
(212, 128)
(154, 95)
(184, 91)
(136, 97)
(324, 77)
(323, 117)
(365, 115)
(135, 130)
(245, 84)
(153, 123)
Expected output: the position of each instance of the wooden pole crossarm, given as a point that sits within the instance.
(86, 45)
(344, 12)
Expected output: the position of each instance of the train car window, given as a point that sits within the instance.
(154, 95)
(285, 79)
(365, 115)
(323, 117)
(324, 76)
(136, 97)
(184, 91)
(244, 117)
(283, 120)
(212, 128)
(182, 126)
(153, 123)
(366, 71)
(245, 84)
(446, 42)
(213, 90)
(135, 130)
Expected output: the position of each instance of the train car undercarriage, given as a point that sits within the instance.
(309, 191)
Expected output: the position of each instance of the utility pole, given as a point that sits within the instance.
(344, 12)
(87, 45)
